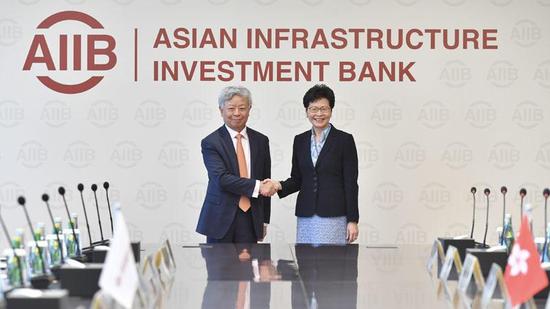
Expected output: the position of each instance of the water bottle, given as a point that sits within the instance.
(508, 233)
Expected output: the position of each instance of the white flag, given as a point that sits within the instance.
(119, 277)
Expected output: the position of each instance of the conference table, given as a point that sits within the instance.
(302, 276)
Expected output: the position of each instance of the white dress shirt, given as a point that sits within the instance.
(246, 148)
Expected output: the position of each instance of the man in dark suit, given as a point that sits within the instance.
(237, 204)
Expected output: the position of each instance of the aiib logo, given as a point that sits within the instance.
(89, 48)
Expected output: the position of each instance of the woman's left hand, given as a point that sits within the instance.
(352, 232)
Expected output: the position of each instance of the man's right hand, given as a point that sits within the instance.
(269, 187)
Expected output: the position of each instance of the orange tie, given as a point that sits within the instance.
(244, 202)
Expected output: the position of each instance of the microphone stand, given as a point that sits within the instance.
(473, 190)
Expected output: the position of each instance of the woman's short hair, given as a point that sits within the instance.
(317, 92)
(229, 92)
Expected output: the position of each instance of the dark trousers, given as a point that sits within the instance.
(240, 231)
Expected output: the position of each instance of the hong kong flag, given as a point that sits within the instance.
(524, 275)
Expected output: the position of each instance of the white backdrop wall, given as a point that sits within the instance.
(473, 117)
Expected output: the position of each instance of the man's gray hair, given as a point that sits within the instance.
(228, 93)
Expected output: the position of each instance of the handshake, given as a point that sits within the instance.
(269, 187)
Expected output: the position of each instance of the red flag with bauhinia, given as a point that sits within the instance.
(524, 275)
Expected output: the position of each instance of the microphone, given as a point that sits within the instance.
(487, 192)
(94, 188)
(503, 190)
(522, 194)
(545, 193)
(46, 198)
(106, 187)
(17, 259)
(61, 191)
(81, 188)
(21, 201)
(473, 190)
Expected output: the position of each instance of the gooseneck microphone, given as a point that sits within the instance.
(503, 190)
(17, 259)
(21, 201)
(487, 192)
(46, 198)
(94, 189)
(473, 190)
(545, 193)
(522, 194)
(81, 188)
(106, 187)
(61, 192)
